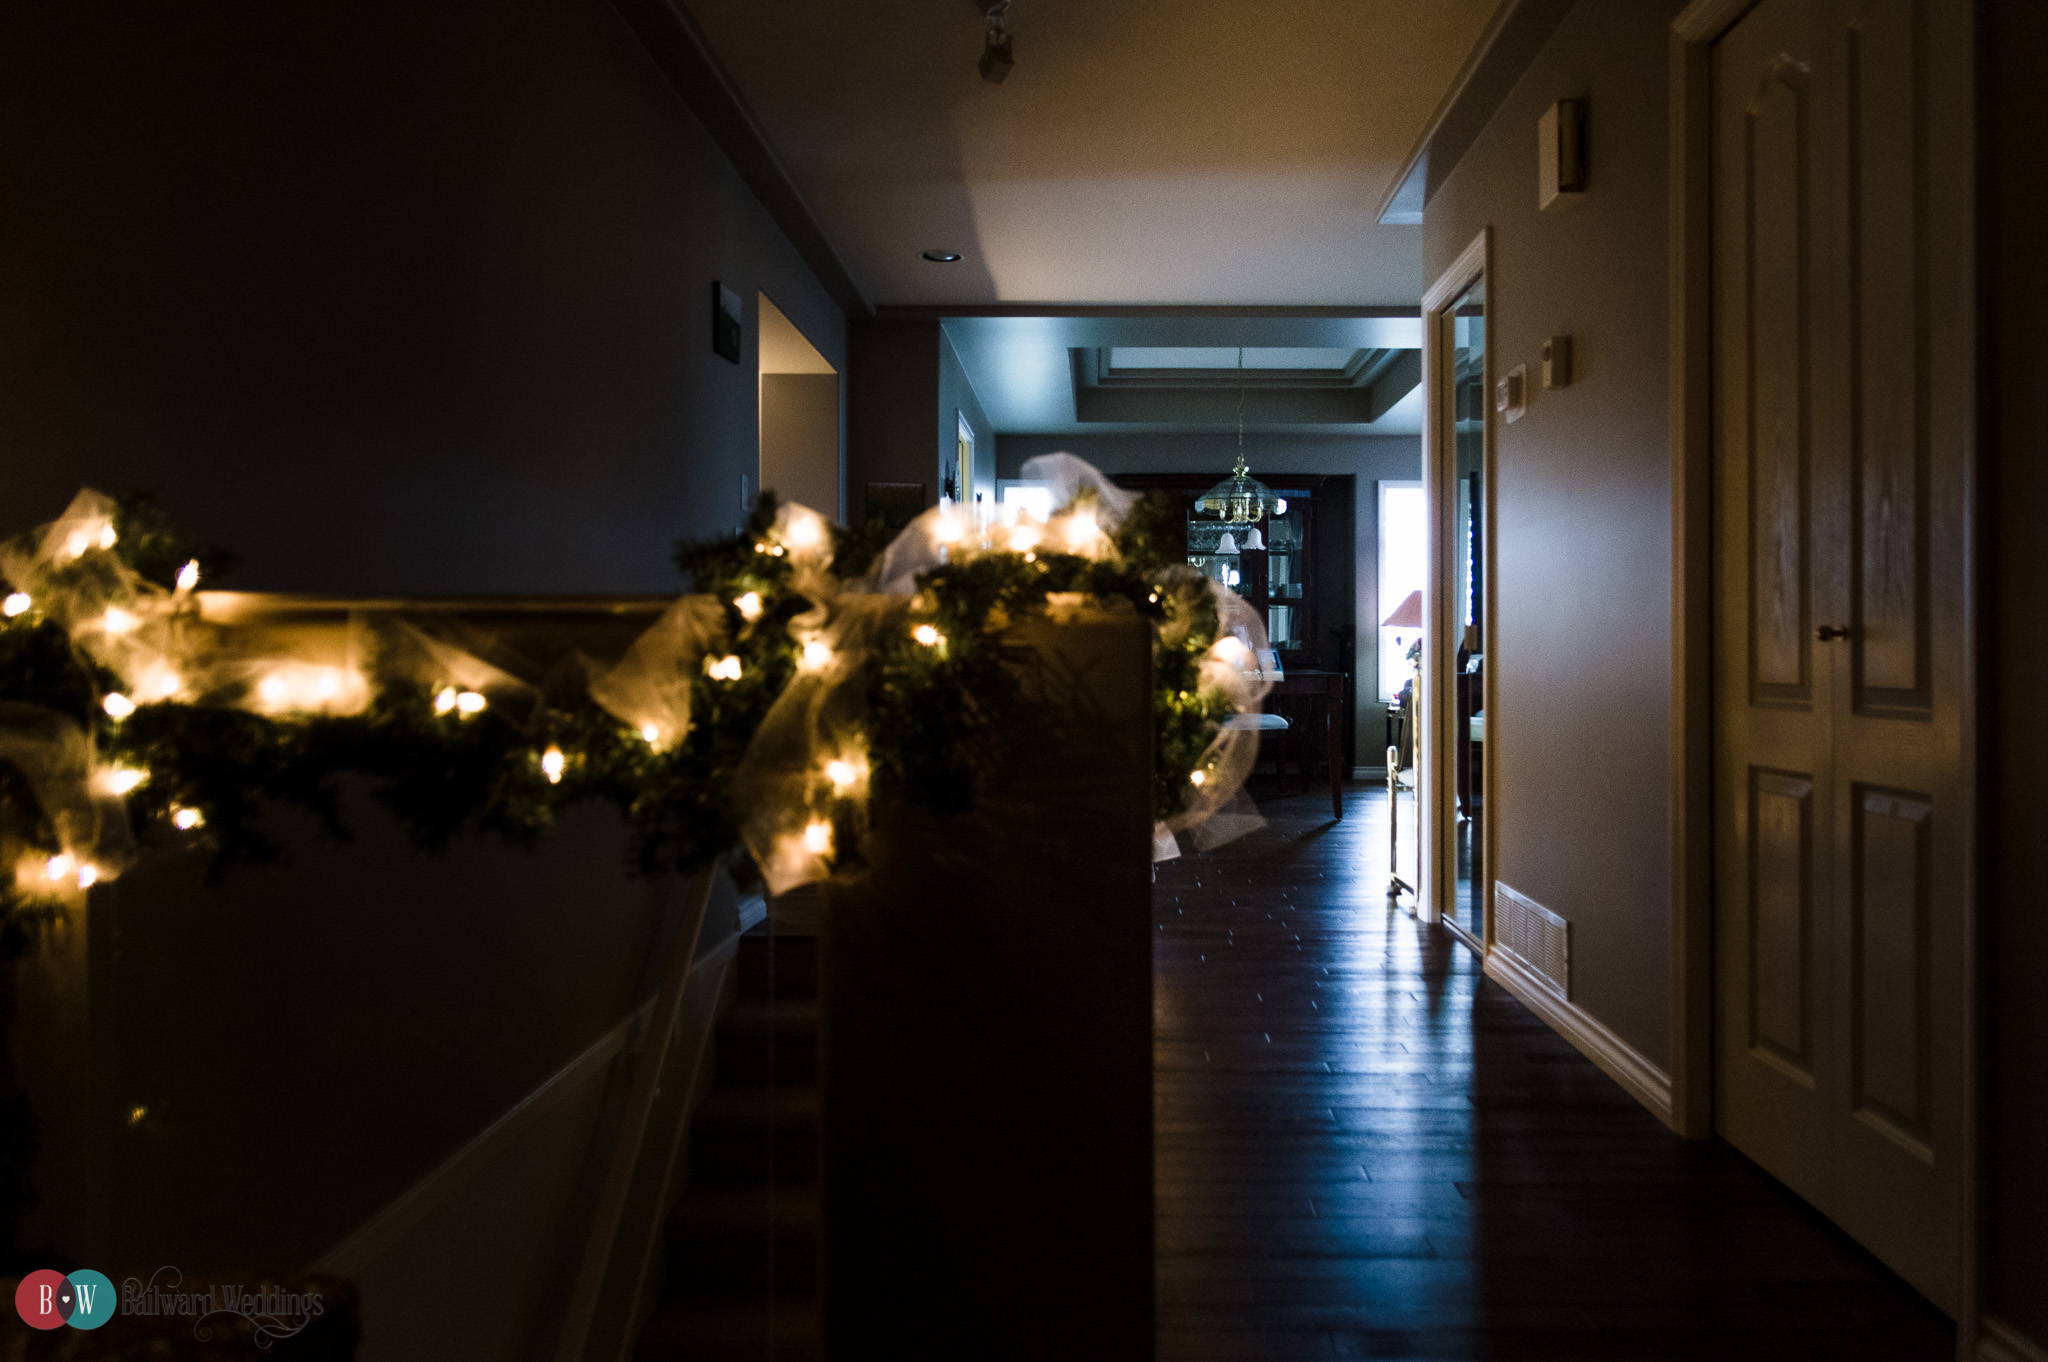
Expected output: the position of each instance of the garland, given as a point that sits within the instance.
(894, 696)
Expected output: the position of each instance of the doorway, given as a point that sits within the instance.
(1842, 822)
(800, 446)
(1457, 683)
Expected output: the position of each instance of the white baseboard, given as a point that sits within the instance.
(1998, 1341)
(1617, 1059)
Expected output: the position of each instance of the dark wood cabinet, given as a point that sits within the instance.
(1271, 564)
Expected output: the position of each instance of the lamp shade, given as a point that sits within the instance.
(1239, 498)
(1407, 615)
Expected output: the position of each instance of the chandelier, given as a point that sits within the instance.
(1241, 498)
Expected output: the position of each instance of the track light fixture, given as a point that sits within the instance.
(996, 57)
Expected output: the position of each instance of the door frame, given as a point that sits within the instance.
(1436, 785)
(1954, 124)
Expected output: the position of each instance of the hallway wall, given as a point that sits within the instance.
(383, 297)
(1368, 458)
(1583, 652)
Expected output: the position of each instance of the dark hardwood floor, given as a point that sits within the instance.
(1366, 1149)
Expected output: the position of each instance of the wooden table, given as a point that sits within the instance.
(1326, 690)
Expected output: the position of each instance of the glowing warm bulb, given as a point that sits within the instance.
(77, 544)
(1030, 557)
(1082, 529)
(158, 683)
(88, 875)
(471, 702)
(947, 529)
(749, 606)
(928, 636)
(445, 700)
(186, 819)
(188, 575)
(725, 668)
(108, 537)
(1230, 648)
(1023, 539)
(805, 530)
(119, 621)
(818, 838)
(1197, 777)
(816, 655)
(841, 773)
(122, 779)
(118, 705)
(551, 763)
(60, 865)
(15, 604)
(1154, 598)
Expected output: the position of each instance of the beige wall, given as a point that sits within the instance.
(1582, 658)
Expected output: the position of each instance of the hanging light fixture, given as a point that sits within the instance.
(1240, 498)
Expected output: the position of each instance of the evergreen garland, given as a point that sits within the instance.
(931, 713)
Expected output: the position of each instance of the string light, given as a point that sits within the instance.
(551, 763)
(1023, 539)
(1154, 598)
(122, 779)
(159, 683)
(118, 705)
(841, 773)
(749, 606)
(818, 838)
(760, 548)
(107, 536)
(725, 668)
(445, 700)
(1030, 557)
(650, 734)
(188, 575)
(928, 636)
(88, 875)
(470, 702)
(185, 818)
(806, 529)
(60, 865)
(816, 655)
(119, 621)
(1082, 529)
(16, 604)
(1197, 777)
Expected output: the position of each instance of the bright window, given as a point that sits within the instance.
(1404, 564)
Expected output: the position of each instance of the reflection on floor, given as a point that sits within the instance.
(1367, 1150)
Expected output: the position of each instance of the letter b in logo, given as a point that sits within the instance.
(46, 1299)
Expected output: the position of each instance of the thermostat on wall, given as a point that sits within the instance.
(1561, 151)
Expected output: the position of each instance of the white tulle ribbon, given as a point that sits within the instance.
(803, 786)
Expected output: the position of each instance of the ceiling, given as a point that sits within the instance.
(1211, 152)
(1178, 374)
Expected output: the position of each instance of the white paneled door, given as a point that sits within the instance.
(1840, 448)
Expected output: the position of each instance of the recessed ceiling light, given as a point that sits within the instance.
(942, 257)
